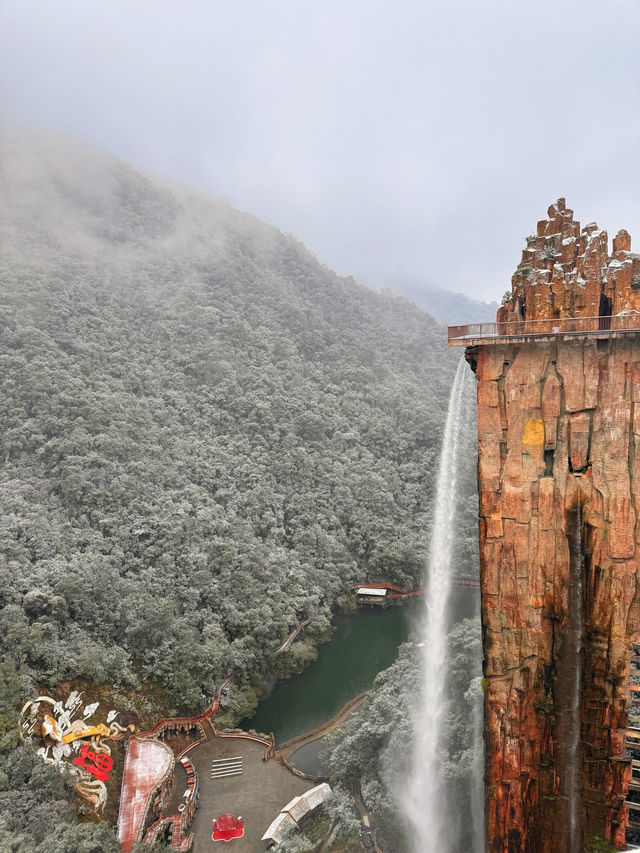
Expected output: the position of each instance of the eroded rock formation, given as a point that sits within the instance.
(559, 447)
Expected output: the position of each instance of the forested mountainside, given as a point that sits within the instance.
(206, 434)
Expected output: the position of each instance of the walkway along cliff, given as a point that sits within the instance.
(558, 389)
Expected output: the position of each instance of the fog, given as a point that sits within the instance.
(401, 142)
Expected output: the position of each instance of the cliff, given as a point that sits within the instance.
(559, 479)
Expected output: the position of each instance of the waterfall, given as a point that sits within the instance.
(425, 800)
(567, 694)
(477, 775)
(572, 768)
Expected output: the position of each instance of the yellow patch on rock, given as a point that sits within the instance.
(533, 432)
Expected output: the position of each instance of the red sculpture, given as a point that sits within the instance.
(227, 827)
(99, 764)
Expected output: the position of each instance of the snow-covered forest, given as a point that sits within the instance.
(206, 435)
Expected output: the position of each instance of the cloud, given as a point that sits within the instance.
(417, 136)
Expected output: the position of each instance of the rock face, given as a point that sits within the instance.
(559, 477)
(567, 274)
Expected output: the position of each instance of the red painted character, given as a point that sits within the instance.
(99, 764)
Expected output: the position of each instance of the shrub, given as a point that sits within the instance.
(599, 844)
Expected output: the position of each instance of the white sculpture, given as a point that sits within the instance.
(90, 710)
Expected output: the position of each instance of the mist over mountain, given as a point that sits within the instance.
(448, 308)
(452, 309)
(206, 434)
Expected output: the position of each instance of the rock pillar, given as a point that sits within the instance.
(559, 446)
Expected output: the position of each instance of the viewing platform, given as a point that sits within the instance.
(565, 328)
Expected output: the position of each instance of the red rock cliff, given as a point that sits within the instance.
(559, 478)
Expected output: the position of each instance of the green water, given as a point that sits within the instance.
(362, 646)
(307, 758)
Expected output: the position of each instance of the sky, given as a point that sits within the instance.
(403, 142)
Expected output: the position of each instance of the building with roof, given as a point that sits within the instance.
(371, 595)
(294, 812)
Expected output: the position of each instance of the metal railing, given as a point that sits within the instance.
(627, 322)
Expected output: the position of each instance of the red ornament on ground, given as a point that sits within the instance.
(227, 827)
(99, 764)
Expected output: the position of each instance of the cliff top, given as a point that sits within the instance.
(567, 271)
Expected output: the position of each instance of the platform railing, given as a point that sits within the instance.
(627, 322)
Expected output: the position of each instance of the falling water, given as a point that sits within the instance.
(477, 776)
(425, 798)
(572, 767)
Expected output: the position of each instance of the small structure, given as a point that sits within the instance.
(295, 810)
(308, 802)
(146, 783)
(371, 595)
(278, 828)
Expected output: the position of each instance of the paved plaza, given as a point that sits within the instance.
(258, 793)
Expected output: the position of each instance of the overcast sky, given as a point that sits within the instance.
(405, 139)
